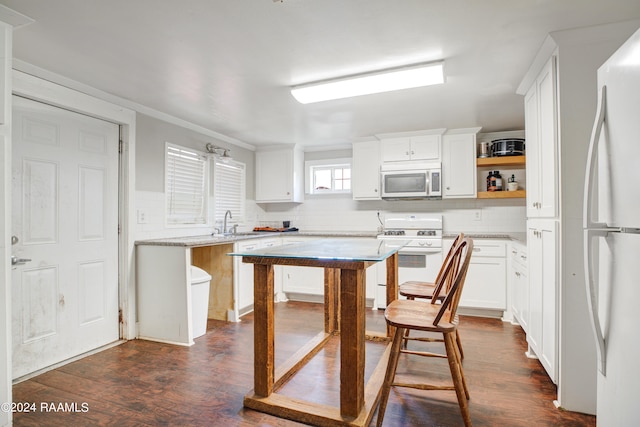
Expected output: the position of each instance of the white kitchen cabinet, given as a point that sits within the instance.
(280, 175)
(243, 273)
(459, 176)
(519, 284)
(299, 281)
(485, 287)
(542, 247)
(365, 170)
(419, 147)
(307, 283)
(542, 144)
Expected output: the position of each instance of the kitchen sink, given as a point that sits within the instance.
(239, 234)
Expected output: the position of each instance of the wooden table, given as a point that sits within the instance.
(344, 261)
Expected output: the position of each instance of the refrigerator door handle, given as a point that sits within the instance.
(592, 295)
(591, 162)
(593, 230)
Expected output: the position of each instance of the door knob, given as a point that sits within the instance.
(18, 261)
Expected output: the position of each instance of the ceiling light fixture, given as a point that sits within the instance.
(375, 82)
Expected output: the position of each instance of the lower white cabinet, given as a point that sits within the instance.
(542, 248)
(307, 283)
(301, 280)
(243, 273)
(519, 284)
(486, 283)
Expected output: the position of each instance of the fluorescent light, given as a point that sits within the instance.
(365, 84)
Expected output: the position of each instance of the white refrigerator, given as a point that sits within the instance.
(612, 236)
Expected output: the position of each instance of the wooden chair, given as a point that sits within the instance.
(425, 290)
(430, 316)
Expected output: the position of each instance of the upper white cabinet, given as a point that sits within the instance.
(404, 147)
(365, 167)
(542, 146)
(280, 175)
(459, 175)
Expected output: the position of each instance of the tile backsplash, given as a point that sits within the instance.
(341, 213)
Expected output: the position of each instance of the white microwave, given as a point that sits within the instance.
(411, 181)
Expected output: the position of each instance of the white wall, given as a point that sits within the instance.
(151, 135)
(318, 212)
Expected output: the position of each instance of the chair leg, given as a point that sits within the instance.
(456, 373)
(459, 343)
(405, 341)
(459, 360)
(392, 366)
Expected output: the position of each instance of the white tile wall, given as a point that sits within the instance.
(341, 213)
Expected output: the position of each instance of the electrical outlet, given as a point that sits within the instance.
(477, 215)
(142, 217)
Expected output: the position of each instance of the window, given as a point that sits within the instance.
(186, 186)
(229, 189)
(328, 176)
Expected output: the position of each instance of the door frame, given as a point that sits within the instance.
(50, 93)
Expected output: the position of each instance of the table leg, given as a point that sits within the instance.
(392, 284)
(331, 300)
(352, 341)
(263, 326)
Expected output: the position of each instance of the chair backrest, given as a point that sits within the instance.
(449, 306)
(455, 243)
(443, 281)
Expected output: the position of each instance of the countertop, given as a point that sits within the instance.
(209, 240)
(518, 237)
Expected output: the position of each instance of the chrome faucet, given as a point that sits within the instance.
(224, 225)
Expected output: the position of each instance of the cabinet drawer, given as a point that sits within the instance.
(518, 255)
(489, 248)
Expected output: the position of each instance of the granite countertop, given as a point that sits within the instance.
(209, 240)
(518, 237)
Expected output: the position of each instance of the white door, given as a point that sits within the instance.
(65, 222)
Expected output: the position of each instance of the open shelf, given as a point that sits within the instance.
(518, 194)
(519, 161)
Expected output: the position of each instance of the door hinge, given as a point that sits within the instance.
(120, 316)
(120, 145)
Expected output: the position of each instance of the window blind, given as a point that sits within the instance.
(229, 189)
(186, 186)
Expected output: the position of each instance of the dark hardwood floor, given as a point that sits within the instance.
(145, 383)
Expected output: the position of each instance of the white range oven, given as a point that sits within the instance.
(421, 258)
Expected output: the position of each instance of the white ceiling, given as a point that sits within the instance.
(227, 65)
